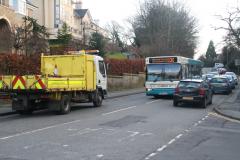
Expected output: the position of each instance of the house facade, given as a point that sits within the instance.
(50, 13)
(11, 14)
(53, 13)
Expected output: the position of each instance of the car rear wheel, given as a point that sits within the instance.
(210, 101)
(175, 103)
(204, 103)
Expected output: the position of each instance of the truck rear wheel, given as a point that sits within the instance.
(97, 99)
(64, 103)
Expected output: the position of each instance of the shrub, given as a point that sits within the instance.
(19, 64)
(118, 67)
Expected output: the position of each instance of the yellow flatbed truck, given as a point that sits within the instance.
(64, 79)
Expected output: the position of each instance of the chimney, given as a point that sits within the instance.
(77, 4)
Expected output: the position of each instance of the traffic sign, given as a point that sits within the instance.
(237, 62)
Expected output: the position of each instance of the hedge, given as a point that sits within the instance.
(22, 65)
(19, 64)
(118, 67)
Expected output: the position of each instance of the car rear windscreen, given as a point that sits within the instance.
(189, 84)
(219, 80)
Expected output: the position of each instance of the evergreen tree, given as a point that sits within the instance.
(97, 42)
(31, 38)
(64, 36)
(211, 55)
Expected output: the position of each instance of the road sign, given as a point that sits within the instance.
(218, 65)
(237, 62)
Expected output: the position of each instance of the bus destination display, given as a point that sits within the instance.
(163, 60)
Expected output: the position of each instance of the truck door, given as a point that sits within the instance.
(102, 76)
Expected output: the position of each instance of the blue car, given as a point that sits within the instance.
(221, 84)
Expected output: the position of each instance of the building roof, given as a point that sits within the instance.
(80, 12)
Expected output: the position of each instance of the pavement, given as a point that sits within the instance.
(5, 104)
(231, 107)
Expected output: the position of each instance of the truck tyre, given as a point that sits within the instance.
(64, 103)
(97, 99)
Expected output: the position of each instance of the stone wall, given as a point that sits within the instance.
(127, 81)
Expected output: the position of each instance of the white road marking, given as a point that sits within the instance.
(130, 137)
(105, 114)
(179, 136)
(100, 155)
(199, 122)
(173, 140)
(150, 155)
(162, 148)
(152, 102)
(195, 124)
(37, 130)
(133, 133)
(65, 145)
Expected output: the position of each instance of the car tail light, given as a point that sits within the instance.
(177, 90)
(201, 91)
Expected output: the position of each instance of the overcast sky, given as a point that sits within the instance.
(204, 10)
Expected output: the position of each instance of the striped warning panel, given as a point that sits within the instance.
(39, 83)
(19, 82)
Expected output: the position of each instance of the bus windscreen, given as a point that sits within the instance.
(163, 72)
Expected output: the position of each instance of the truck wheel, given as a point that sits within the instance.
(97, 99)
(64, 105)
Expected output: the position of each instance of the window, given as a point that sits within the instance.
(102, 68)
(189, 84)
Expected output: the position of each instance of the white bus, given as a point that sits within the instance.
(164, 72)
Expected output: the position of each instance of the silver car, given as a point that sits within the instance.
(234, 76)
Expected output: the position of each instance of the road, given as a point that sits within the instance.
(134, 127)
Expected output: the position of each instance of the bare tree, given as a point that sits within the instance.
(164, 28)
(232, 26)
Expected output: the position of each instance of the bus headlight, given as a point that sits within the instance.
(149, 89)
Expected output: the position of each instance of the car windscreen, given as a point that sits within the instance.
(219, 80)
(189, 84)
(163, 72)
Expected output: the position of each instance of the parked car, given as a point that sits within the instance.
(214, 73)
(196, 77)
(220, 84)
(231, 81)
(193, 91)
(234, 76)
(207, 77)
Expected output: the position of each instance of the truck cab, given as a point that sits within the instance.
(101, 74)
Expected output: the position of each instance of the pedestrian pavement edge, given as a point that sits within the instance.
(229, 113)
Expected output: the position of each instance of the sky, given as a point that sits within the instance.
(105, 11)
